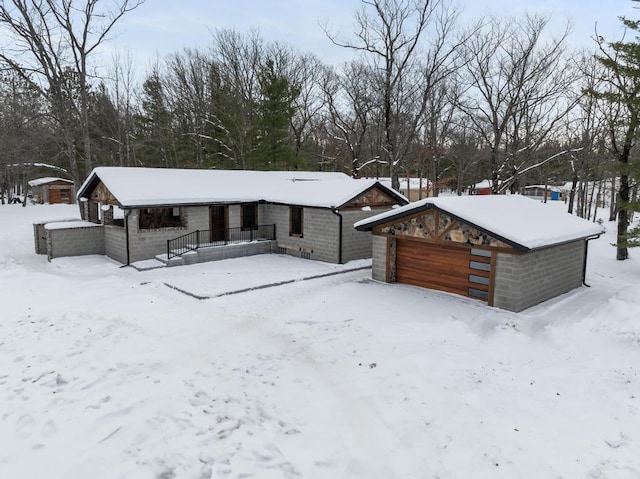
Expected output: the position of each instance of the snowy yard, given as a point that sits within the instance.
(108, 372)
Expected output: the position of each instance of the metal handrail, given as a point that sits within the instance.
(206, 238)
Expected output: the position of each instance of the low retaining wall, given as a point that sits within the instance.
(40, 234)
(74, 238)
(217, 253)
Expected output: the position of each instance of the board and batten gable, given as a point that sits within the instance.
(357, 244)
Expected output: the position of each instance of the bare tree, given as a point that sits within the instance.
(515, 89)
(391, 35)
(50, 42)
(349, 104)
(123, 91)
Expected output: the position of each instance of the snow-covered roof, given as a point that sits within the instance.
(483, 184)
(48, 179)
(136, 187)
(515, 218)
(559, 189)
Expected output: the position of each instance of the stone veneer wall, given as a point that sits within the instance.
(522, 281)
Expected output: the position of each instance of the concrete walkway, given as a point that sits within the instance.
(264, 286)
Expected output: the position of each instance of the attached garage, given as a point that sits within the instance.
(509, 251)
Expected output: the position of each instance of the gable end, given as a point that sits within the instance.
(374, 197)
(433, 225)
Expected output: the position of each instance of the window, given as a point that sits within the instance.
(480, 266)
(249, 216)
(476, 293)
(295, 221)
(154, 218)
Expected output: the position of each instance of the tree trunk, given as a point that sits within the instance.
(622, 251)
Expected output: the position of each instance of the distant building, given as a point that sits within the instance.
(542, 192)
(52, 190)
(482, 188)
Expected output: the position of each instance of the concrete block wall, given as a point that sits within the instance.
(234, 216)
(319, 231)
(218, 253)
(75, 241)
(40, 238)
(522, 281)
(198, 218)
(40, 234)
(356, 244)
(115, 243)
(379, 258)
(147, 244)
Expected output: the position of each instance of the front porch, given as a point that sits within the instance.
(217, 244)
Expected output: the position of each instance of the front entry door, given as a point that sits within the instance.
(218, 223)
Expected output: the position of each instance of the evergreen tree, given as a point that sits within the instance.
(274, 144)
(154, 126)
(621, 60)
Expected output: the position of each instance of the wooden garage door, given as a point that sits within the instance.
(454, 269)
(54, 196)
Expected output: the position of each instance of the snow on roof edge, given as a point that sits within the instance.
(304, 188)
(528, 223)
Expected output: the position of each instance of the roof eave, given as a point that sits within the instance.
(427, 206)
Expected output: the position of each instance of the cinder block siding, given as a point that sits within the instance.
(233, 251)
(234, 216)
(198, 218)
(522, 281)
(40, 238)
(75, 241)
(319, 231)
(115, 243)
(146, 244)
(355, 244)
(379, 258)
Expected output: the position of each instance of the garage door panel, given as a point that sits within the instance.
(445, 268)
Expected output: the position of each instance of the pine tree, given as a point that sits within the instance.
(622, 62)
(274, 138)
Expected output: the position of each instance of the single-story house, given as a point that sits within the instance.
(52, 190)
(503, 249)
(144, 213)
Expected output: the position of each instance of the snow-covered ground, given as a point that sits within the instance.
(108, 372)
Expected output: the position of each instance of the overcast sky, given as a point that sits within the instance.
(159, 27)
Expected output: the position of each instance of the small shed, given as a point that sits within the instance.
(508, 251)
(482, 188)
(52, 190)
